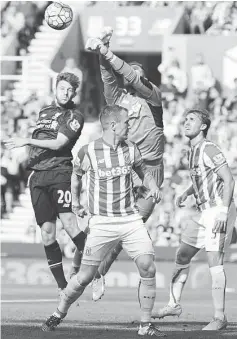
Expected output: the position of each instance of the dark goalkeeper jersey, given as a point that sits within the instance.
(52, 120)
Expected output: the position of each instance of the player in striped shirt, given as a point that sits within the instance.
(108, 163)
(143, 101)
(213, 187)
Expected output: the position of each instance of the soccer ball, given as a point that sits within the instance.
(58, 16)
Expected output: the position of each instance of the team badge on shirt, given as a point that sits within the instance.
(219, 159)
(75, 125)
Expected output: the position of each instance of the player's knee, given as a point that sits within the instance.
(85, 277)
(69, 223)
(48, 233)
(182, 258)
(146, 266)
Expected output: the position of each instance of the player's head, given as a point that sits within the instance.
(114, 119)
(138, 68)
(196, 121)
(140, 71)
(66, 86)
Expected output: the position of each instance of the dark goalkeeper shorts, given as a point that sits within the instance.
(50, 194)
(146, 207)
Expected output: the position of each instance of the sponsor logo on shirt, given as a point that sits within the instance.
(101, 161)
(75, 125)
(116, 171)
(88, 251)
(219, 159)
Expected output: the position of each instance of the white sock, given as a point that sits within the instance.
(218, 290)
(146, 297)
(179, 278)
(70, 294)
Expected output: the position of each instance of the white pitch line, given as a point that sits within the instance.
(28, 301)
(131, 302)
(130, 327)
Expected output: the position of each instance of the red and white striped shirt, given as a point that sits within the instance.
(109, 177)
(205, 159)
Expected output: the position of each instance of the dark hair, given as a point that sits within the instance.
(71, 78)
(135, 63)
(109, 114)
(204, 116)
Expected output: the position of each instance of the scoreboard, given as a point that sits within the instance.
(136, 29)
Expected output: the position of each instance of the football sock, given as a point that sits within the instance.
(71, 293)
(108, 261)
(54, 257)
(146, 297)
(218, 290)
(79, 241)
(178, 281)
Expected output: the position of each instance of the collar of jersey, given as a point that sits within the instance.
(69, 105)
(111, 146)
(199, 143)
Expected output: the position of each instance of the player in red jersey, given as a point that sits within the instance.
(143, 101)
(57, 130)
(108, 163)
(213, 187)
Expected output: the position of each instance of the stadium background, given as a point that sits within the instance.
(170, 39)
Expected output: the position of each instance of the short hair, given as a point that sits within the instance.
(109, 114)
(137, 64)
(203, 115)
(71, 78)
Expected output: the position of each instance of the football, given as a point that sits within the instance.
(58, 15)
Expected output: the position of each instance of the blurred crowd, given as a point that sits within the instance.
(201, 17)
(23, 19)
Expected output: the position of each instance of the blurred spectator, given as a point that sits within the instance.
(11, 107)
(198, 17)
(179, 77)
(160, 239)
(202, 80)
(32, 105)
(25, 35)
(12, 21)
(231, 102)
(224, 19)
(201, 75)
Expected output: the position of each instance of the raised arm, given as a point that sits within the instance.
(111, 88)
(145, 88)
(52, 144)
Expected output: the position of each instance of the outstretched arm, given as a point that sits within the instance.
(145, 88)
(53, 144)
(111, 88)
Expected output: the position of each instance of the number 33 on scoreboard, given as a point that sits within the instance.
(128, 26)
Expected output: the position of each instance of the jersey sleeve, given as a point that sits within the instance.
(143, 86)
(112, 91)
(213, 157)
(81, 163)
(72, 125)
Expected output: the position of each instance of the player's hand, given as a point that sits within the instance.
(220, 223)
(96, 45)
(16, 142)
(79, 210)
(155, 193)
(180, 199)
(105, 35)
